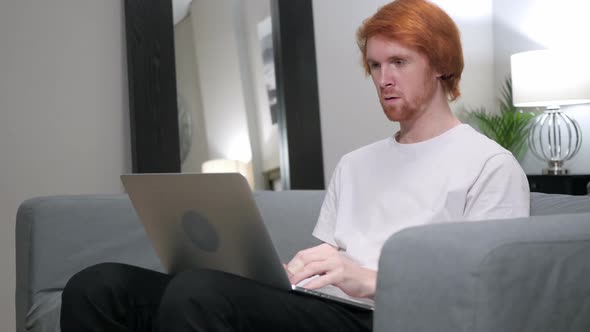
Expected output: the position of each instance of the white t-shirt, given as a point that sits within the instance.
(385, 187)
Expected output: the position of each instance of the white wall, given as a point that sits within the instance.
(189, 94)
(245, 17)
(350, 113)
(543, 24)
(63, 110)
(254, 13)
(224, 57)
(229, 88)
(220, 80)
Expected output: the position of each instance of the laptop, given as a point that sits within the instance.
(211, 221)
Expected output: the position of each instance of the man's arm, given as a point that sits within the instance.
(331, 265)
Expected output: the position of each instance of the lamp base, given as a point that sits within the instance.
(555, 168)
(554, 137)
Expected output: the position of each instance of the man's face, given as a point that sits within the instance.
(405, 82)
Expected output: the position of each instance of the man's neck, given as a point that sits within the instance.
(434, 121)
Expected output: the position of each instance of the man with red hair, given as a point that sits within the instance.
(433, 170)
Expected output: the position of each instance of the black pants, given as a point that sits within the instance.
(116, 297)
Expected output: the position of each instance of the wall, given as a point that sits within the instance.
(189, 95)
(243, 14)
(350, 112)
(222, 33)
(220, 80)
(543, 24)
(63, 110)
(268, 133)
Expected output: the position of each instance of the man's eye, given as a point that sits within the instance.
(399, 62)
(374, 66)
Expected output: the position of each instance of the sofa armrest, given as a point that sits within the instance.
(528, 274)
(58, 236)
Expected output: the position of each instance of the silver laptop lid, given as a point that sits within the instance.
(205, 221)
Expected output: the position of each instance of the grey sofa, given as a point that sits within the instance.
(531, 274)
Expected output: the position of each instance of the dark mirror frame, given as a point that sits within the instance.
(152, 91)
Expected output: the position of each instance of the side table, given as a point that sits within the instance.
(560, 184)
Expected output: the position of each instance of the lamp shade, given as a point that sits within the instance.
(222, 166)
(229, 166)
(550, 78)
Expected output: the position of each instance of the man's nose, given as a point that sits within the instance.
(386, 79)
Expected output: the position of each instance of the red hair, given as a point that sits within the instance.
(425, 27)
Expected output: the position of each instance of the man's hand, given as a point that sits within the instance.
(333, 268)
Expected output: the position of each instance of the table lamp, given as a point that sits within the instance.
(229, 166)
(550, 79)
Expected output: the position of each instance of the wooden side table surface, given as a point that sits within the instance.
(577, 184)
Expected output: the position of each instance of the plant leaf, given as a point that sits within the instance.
(509, 128)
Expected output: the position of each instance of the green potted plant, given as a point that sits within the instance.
(509, 127)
